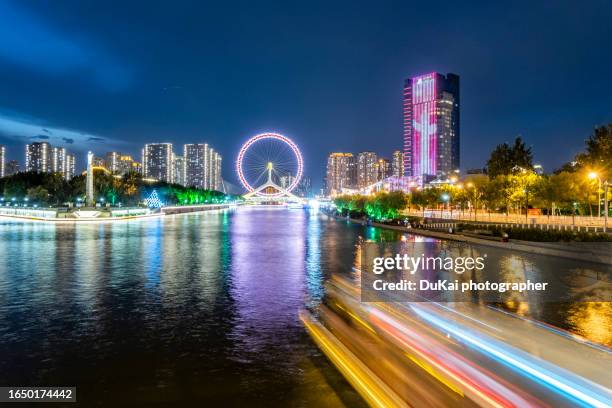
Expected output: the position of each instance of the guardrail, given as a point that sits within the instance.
(484, 217)
(510, 226)
(29, 212)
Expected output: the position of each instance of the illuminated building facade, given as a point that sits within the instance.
(12, 167)
(2, 161)
(213, 181)
(397, 164)
(62, 161)
(202, 166)
(178, 172)
(157, 161)
(99, 162)
(38, 157)
(338, 174)
(303, 189)
(195, 168)
(431, 126)
(69, 166)
(383, 169)
(120, 163)
(367, 170)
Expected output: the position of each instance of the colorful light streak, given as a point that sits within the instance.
(481, 386)
(563, 382)
(369, 386)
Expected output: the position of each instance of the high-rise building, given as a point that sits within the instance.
(58, 159)
(286, 181)
(352, 172)
(157, 161)
(210, 170)
(202, 166)
(195, 156)
(120, 163)
(304, 188)
(69, 166)
(431, 126)
(38, 156)
(63, 162)
(397, 164)
(98, 162)
(366, 169)
(178, 172)
(2, 161)
(383, 169)
(215, 171)
(12, 167)
(338, 173)
(137, 167)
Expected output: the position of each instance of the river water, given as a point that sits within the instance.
(185, 309)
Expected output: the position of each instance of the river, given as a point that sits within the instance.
(183, 309)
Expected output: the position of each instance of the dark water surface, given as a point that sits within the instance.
(185, 310)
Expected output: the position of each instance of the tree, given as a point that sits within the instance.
(522, 157)
(38, 194)
(500, 161)
(506, 160)
(598, 155)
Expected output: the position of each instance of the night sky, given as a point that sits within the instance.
(328, 74)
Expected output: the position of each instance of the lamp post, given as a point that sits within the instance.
(606, 185)
(593, 175)
(446, 199)
(526, 206)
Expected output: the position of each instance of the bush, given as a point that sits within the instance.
(537, 235)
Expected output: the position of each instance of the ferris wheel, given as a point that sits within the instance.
(269, 165)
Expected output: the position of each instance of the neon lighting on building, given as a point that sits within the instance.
(424, 125)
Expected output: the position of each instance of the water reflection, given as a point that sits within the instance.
(190, 308)
(193, 308)
(567, 305)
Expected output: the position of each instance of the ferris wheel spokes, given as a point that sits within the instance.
(272, 158)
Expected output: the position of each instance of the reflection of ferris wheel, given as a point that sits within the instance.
(272, 160)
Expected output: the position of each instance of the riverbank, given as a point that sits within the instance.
(587, 252)
(177, 210)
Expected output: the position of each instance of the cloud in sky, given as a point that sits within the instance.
(29, 41)
(23, 129)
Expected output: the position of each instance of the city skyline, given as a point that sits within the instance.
(125, 100)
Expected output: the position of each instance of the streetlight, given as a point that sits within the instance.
(606, 185)
(526, 205)
(446, 198)
(593, 175)
(470, 186)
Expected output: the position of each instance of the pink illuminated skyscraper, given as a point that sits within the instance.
(431, 126)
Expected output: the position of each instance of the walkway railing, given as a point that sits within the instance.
(497, 218)
(542, 227)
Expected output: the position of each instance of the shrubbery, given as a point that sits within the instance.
(381, 206)
(537, 235)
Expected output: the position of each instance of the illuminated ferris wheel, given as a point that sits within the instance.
(269, 165)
